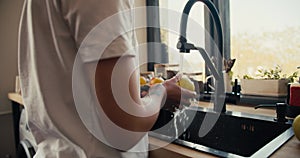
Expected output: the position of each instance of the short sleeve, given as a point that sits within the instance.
(101, 28)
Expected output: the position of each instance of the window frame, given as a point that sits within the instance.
(155, 54)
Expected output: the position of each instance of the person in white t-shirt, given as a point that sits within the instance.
(53, 35)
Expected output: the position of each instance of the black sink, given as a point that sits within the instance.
(233, 135)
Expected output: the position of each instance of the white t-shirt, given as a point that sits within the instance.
(51, 33)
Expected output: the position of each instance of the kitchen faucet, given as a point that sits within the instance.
(215, 67)
(281, 109)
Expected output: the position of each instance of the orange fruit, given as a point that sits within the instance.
(143, 80)
(156, 80)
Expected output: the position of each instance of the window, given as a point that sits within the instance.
(262, 34)
(265, 33)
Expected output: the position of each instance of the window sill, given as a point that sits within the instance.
(240, 99)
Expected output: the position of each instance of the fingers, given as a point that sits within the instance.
(172, 105)
(176, 78)
(176, 95)
(185, 102)
(176, 92)
(187, 93)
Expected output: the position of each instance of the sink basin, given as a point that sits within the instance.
(234, 134)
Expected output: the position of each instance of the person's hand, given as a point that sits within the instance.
(176, 96)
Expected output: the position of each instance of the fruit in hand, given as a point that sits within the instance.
(296, 127)
(186, 83)
(143, 80)
(156, 80)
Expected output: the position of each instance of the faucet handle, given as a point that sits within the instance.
(280, 110)
(185, 47)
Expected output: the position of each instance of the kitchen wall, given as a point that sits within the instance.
(10, 11)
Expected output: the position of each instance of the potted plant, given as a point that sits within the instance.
(268, 82)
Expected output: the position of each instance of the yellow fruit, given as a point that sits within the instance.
(186, 83)
(156, 80)
(296, 127)
(143, 80)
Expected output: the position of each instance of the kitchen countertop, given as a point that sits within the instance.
(290, 149)
(15, 97)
